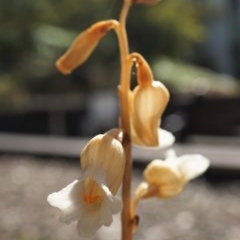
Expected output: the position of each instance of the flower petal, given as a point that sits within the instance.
(87, 226)
(148, 104)
(90, 203)
(104, 156)
(193, 165)
(65, 202)
(165, 140)
(160, 172)
(96, 216)
(113, 202)
(163, 179)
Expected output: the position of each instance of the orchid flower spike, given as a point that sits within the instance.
(148, 102)
(167, 178)
(91, 199)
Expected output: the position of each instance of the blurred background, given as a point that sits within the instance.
(193, 47)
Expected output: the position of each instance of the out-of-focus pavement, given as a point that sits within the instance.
(204, 211)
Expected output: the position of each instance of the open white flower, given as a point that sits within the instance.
(88, 202)
(91, 200)
(168, 178)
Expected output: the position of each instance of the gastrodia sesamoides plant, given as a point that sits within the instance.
(106, 160)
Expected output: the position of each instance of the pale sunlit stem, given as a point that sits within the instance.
(125, 123)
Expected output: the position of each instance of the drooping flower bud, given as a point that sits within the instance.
(83, 46)
(104, 157)
(148, 101)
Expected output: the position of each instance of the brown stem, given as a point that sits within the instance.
(125, 120)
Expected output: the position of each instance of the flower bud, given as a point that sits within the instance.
(148, 104)
(148, 101)
(168, 178)
(83, 46)
(164, 178)
(104, 155)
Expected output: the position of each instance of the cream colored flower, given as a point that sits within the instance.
(88, 202)
(168, 178)
(91, 200)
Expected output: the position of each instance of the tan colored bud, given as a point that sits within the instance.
(163, 179)
(148, 104)
(104, 154)
(83, 46)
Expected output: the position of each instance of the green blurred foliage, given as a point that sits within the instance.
(33, 34)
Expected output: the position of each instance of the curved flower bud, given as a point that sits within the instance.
(148, 101)
(148, 104)
(83, 46)
(104, 158)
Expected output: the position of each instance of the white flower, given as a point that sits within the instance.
(91, 199)
(168, 178)
(87, 201)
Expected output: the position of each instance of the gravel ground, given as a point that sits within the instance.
(203, 211)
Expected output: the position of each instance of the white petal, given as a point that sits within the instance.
(166, 139)
(87, 226)
(170, 155)
(61, 199)
(107, 216)
(191, 166)
(92, 220)
(91, 216)
(114, 203)
(66, 200)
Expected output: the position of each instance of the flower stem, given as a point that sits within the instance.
(124, 88)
